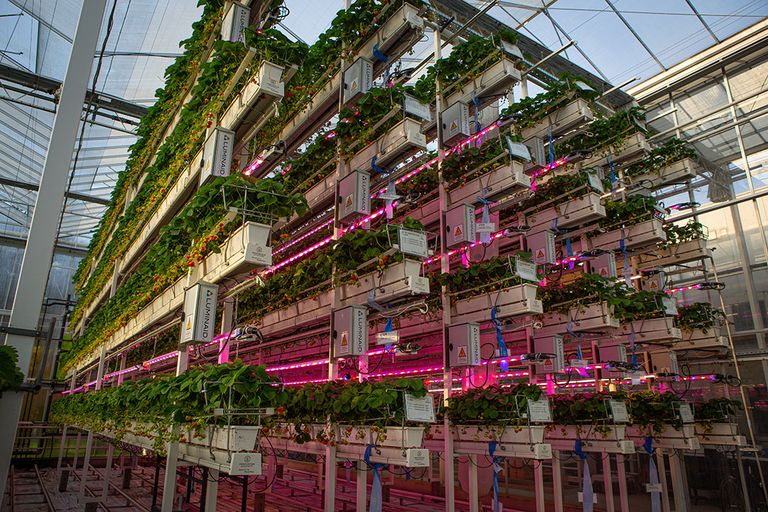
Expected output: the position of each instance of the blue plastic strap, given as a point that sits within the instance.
(611, 172)
(554, 225)
(551, 145)
(375, 503)
(578, 352)
(389, 327)
(653, 475)
(379, 55)
(587, 494)
(503, 352)
(376, 168)
(627, 269)
(632, 348)
(495, 504)
(476, 103)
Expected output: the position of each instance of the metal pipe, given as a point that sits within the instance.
(545, 59)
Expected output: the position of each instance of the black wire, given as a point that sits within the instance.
(487, 364)
(274, 472)
(370, 371)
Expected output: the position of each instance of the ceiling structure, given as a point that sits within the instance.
(614, 40)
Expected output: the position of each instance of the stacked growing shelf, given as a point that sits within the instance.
(337, 248)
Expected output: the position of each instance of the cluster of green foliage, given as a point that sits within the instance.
(528, 111)
(668, 153)
(680, 233)
(310, 276)
(628, 304)
(717, 409)
(153, 406)
(629, 212)
(11, 377)
(699, 315)
(579, 408)
(486, 276)
(465, 62)
(185, 241)
(462, 166)
(493, 405)
(604, 133)
(172, 157)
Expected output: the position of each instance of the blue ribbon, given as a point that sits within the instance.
(376, 168)
(632, 348)
(587, 494)
(379, 55)
(554, 225)
(653, 475)
(551, 145)
(476, 103)
(375, 503)
(503, 352)
(627, 270)
(496, 505)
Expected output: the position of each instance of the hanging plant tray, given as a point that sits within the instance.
(255, 97)
(634, 147)
(523, 442)
(591, 317)
(719, 434)
(493, 185)
(570, 116)
(636, 237)
(650, 331)
(304, 312)
(235, 438)
(602, 438)
(569, 213)
(394, 437)
(393, 38)
(398, 281)
(680, 254)
(245, 249)
(698, 339)
(401, 140)
(676, 172)
(489, 85)
(669, 437)
(513, 301)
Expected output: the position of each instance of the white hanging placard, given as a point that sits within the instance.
(421, 410)
(686, 415)
(526, 270)
(387, 338)
(540, 411)
(619, 411)
(595, 182)
(485, 227)
(413, 242)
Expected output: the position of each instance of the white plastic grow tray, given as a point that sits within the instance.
(397, 281)
(493, 185)
(632, 148)
(680, 254)
(644, 234)
(568, 117)
(719, 434)
(683, 439)
(650, 330)
(256, 96)
(515, 300)
(489, 85)
(676, 172)
(569, 213)
(590, 317)
(608, 439)
(403, 138)
(698, 339)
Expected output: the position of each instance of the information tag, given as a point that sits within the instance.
(485, 227)
(387, 338)
(417, 108)
(686, 415)
(413, 242)
(653, 488)
(619, 411)
(245, 463)
(539, 411)
(670, 306)
(579, 363)
(389, 197)
(595, 182)
(526, 270)
(421, 410)
(518, 150)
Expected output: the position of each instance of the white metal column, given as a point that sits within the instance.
(361, 486)
(38, 254)
(89, 441)
(212, 490)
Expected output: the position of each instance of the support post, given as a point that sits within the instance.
(89, 441)
(121, 377)
(107, 472)
(608, 482)
(663, 479)
(621, 473)
(538, 475)
(244, 497)
(362, 487)
(474, 494)
(211, 490)
(330, 479)
(227, 316)
(557, 482)
(155, 484)
(38, 255)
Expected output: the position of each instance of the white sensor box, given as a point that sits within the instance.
(460, 225)
(354, 196)
(455, 121)
(358, 79)
(217, 154)
(199, 313)
(464, 342)
(235, 21)
(350, 331)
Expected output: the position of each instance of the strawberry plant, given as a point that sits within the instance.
(680, 233)
(699, 315)
(493, 405)
(604, 133)
(11, 377)
(668, 153)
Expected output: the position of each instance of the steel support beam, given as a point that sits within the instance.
(69, 195)
(51, 85)
(38, 254)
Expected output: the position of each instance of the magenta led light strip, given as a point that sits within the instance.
(303, 237)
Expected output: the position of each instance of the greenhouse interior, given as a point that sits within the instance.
(384, 255)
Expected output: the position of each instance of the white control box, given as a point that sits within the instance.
(217, 154)
(464, 342)
(603, 265)
(199, 313)
(354, 196)
(552, 345)
(350, 331)
(235, 22)
(455, 121)
(460, 225)
(542, 246)
(358, 79)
